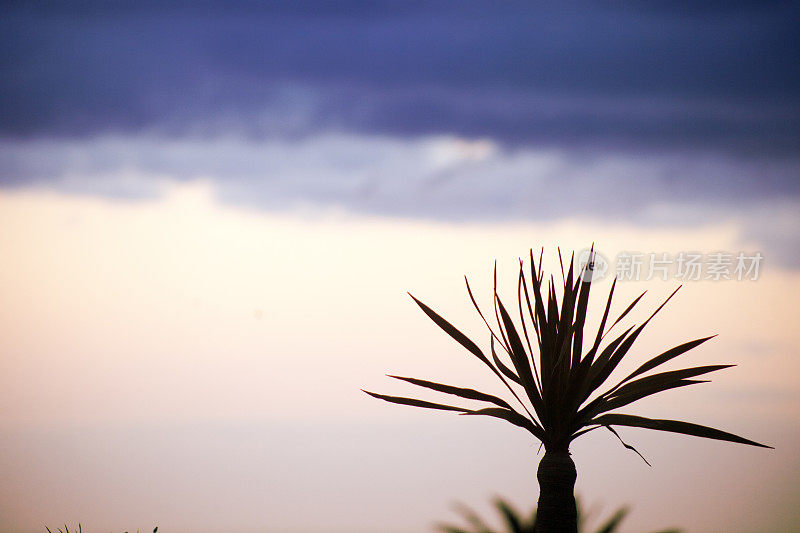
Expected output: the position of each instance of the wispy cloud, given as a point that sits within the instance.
(672, 114)
(436, 177)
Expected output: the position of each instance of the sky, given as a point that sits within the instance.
(210, 214)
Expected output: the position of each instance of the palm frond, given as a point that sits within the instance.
(516, 522)
(510, 416)
(469, 394)
(666, 356)
(674, 426)
(415, 403)
(557, 380)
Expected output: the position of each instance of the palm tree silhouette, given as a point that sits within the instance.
(556, 406)
(516, 522)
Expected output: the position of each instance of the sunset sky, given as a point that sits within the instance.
(210, 215)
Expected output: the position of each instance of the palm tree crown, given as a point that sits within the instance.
(553, 391)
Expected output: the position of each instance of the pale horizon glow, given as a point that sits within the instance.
(132, 328)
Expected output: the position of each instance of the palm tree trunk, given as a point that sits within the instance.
(557, 511)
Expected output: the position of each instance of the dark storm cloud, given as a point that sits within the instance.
(662, 113)
(719, 75)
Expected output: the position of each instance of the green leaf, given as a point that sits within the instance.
(462, 339)
(530, 309)
(613, 523)
(673, 426)
(552, 308)
(520, 285)
(606, 403)
(593, 377)
(580, 314)
(627, 309)
(480, 313)
(567, 307)
(474, 520)
(513, 377)
(451, 330)
(626, 445)
(510, 516)
(583, 431)
(541, 317)
(609, 364)
(616, 402)
(520, 359)
(469, 394)
(623, 348)
(666, 356)
(580, 379)
(600, 330)
(656, 380)
(509, 416)
(563, 379)
(496, 311)
(445, 528)
(415, 403)
(503, 368)
(497, 412)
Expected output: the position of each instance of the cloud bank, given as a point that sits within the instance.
(437, 177)
(721, 76)
(668, 114)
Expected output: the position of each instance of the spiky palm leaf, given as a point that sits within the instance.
(515, 522)
(80, 529)
(554, 395)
